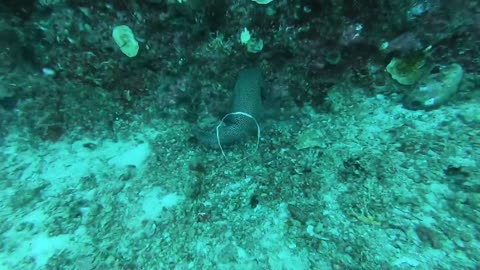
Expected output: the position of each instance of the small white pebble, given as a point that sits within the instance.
(292, 245)
(310, 230)
(48, 71)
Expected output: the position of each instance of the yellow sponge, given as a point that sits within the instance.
(125, 39)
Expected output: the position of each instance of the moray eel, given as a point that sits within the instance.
(247, 99)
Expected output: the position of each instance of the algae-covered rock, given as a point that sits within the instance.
(408, 70)
(435, 89)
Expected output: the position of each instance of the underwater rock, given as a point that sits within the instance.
(435, 89)
(408, 70)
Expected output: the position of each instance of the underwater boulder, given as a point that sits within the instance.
(435, 89)
(408, 70)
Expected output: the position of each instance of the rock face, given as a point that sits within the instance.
(435, 89)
